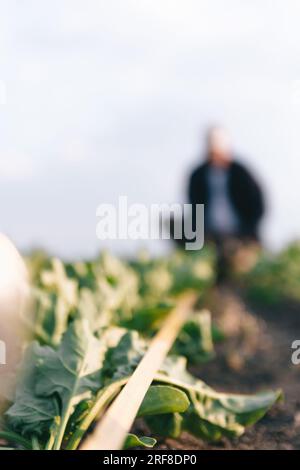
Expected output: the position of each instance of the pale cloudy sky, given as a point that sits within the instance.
(106, 97)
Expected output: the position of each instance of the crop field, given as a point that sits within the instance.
(226, 380)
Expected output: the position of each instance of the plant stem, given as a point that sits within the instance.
(62, 428)
(104, 397)
(50, 442)
(15, 438)
(53, 433)
(35, 443)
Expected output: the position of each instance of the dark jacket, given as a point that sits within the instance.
(244, 193)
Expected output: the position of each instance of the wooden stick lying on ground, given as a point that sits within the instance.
(110, 433)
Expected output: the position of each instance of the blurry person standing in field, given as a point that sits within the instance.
(232, 198)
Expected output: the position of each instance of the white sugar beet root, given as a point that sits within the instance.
(14, 288)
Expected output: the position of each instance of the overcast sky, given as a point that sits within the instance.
(101, 98)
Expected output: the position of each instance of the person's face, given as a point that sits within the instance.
(219, 148)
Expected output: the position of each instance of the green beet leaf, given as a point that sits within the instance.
(148, 317)
(195, 339)
(134, 441)
(213, 415)
(53, 382)
(163, 399)
(31, 413)
(167, 425)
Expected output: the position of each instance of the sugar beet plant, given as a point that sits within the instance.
(276, 277)
(91, 323)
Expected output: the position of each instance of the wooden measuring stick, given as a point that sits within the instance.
(110, 433)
